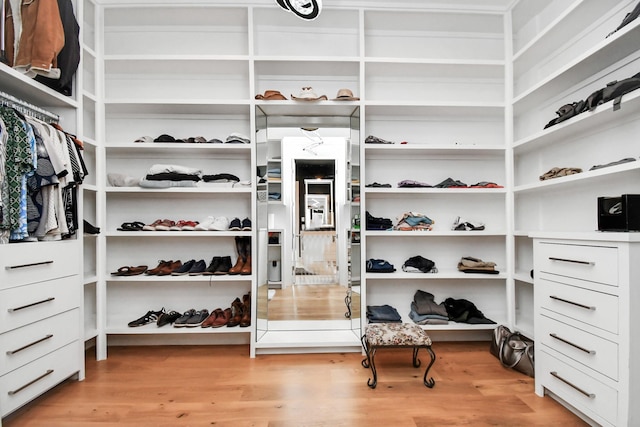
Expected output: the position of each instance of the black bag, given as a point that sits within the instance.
(514, 350)
(614, 90)
(567, 111)
(628, 18)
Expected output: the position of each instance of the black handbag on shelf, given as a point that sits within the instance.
(514, 350)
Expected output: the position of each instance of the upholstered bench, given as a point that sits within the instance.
(379, 335)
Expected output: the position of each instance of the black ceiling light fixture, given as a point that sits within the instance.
(305, 9)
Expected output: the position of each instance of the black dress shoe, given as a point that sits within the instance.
(90, 229)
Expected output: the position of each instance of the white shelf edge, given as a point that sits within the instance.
(171, 101)
(583, 176)
(186, 278)
(441, 275)
(176, 57)
(88, 50)
(89, 187)
(153, 329)
(289, 58)
(434, 61)
(181, 190)
(583, 121)
(172, 234)
(395, 233)
(430, 190)
(523, 277)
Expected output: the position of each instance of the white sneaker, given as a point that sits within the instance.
(205, 224)
(220, 223)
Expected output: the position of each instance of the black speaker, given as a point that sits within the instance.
(619, 213)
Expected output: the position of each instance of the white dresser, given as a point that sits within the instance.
(586, 294)
(40, 319)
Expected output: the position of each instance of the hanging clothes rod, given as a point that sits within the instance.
(28, 109)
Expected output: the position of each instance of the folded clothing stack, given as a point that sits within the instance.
(383, 314)
(375, 223)
(425, 311)
(414, 221)
(476, 265)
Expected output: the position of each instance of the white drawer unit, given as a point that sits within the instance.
(586, 325)
(40, 322)
(24, 384)
(24, 263)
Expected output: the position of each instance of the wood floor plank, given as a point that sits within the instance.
(221, 386)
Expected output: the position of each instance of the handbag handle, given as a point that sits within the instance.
(526, 351)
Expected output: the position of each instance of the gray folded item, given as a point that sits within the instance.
(145, 183)
(424, 304)
(122, 180)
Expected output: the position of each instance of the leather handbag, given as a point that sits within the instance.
(514, 350)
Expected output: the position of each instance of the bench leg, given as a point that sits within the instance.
(368, 362)
(416, 361)
(430, 382)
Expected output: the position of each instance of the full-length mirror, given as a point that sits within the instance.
(308, 222)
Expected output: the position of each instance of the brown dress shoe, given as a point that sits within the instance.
(246, 311)
(209, 321)
(223, 318)
(155, 271)
(236, 313)
(167, 269)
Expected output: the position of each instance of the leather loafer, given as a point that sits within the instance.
(223, 318)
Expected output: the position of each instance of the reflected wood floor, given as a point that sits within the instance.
(173, 386)
(311, 302)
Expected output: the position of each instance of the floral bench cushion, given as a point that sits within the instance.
(396, 334)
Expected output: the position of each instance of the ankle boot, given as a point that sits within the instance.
(246, 311)
(224, 266)
(246, 268)
(236, 313)
(237, 268)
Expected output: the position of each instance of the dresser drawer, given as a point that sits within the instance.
(23, 345)
(26, 383)
(26, 304)
(592, 263)
(593, 308)
(587, 394)
(23, 263)
(592, 351)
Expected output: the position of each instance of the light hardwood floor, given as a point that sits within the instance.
(311, 302)
(222, 386)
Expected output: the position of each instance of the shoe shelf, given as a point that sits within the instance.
(176, 234)
(113, 328)
(183, 278)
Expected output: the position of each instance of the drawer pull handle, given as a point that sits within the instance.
(572, 344)
(14, 267)
(11, 310)
(24, 347)
(573, 261)
(18, 390)
(589, 395)
(577, 304)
